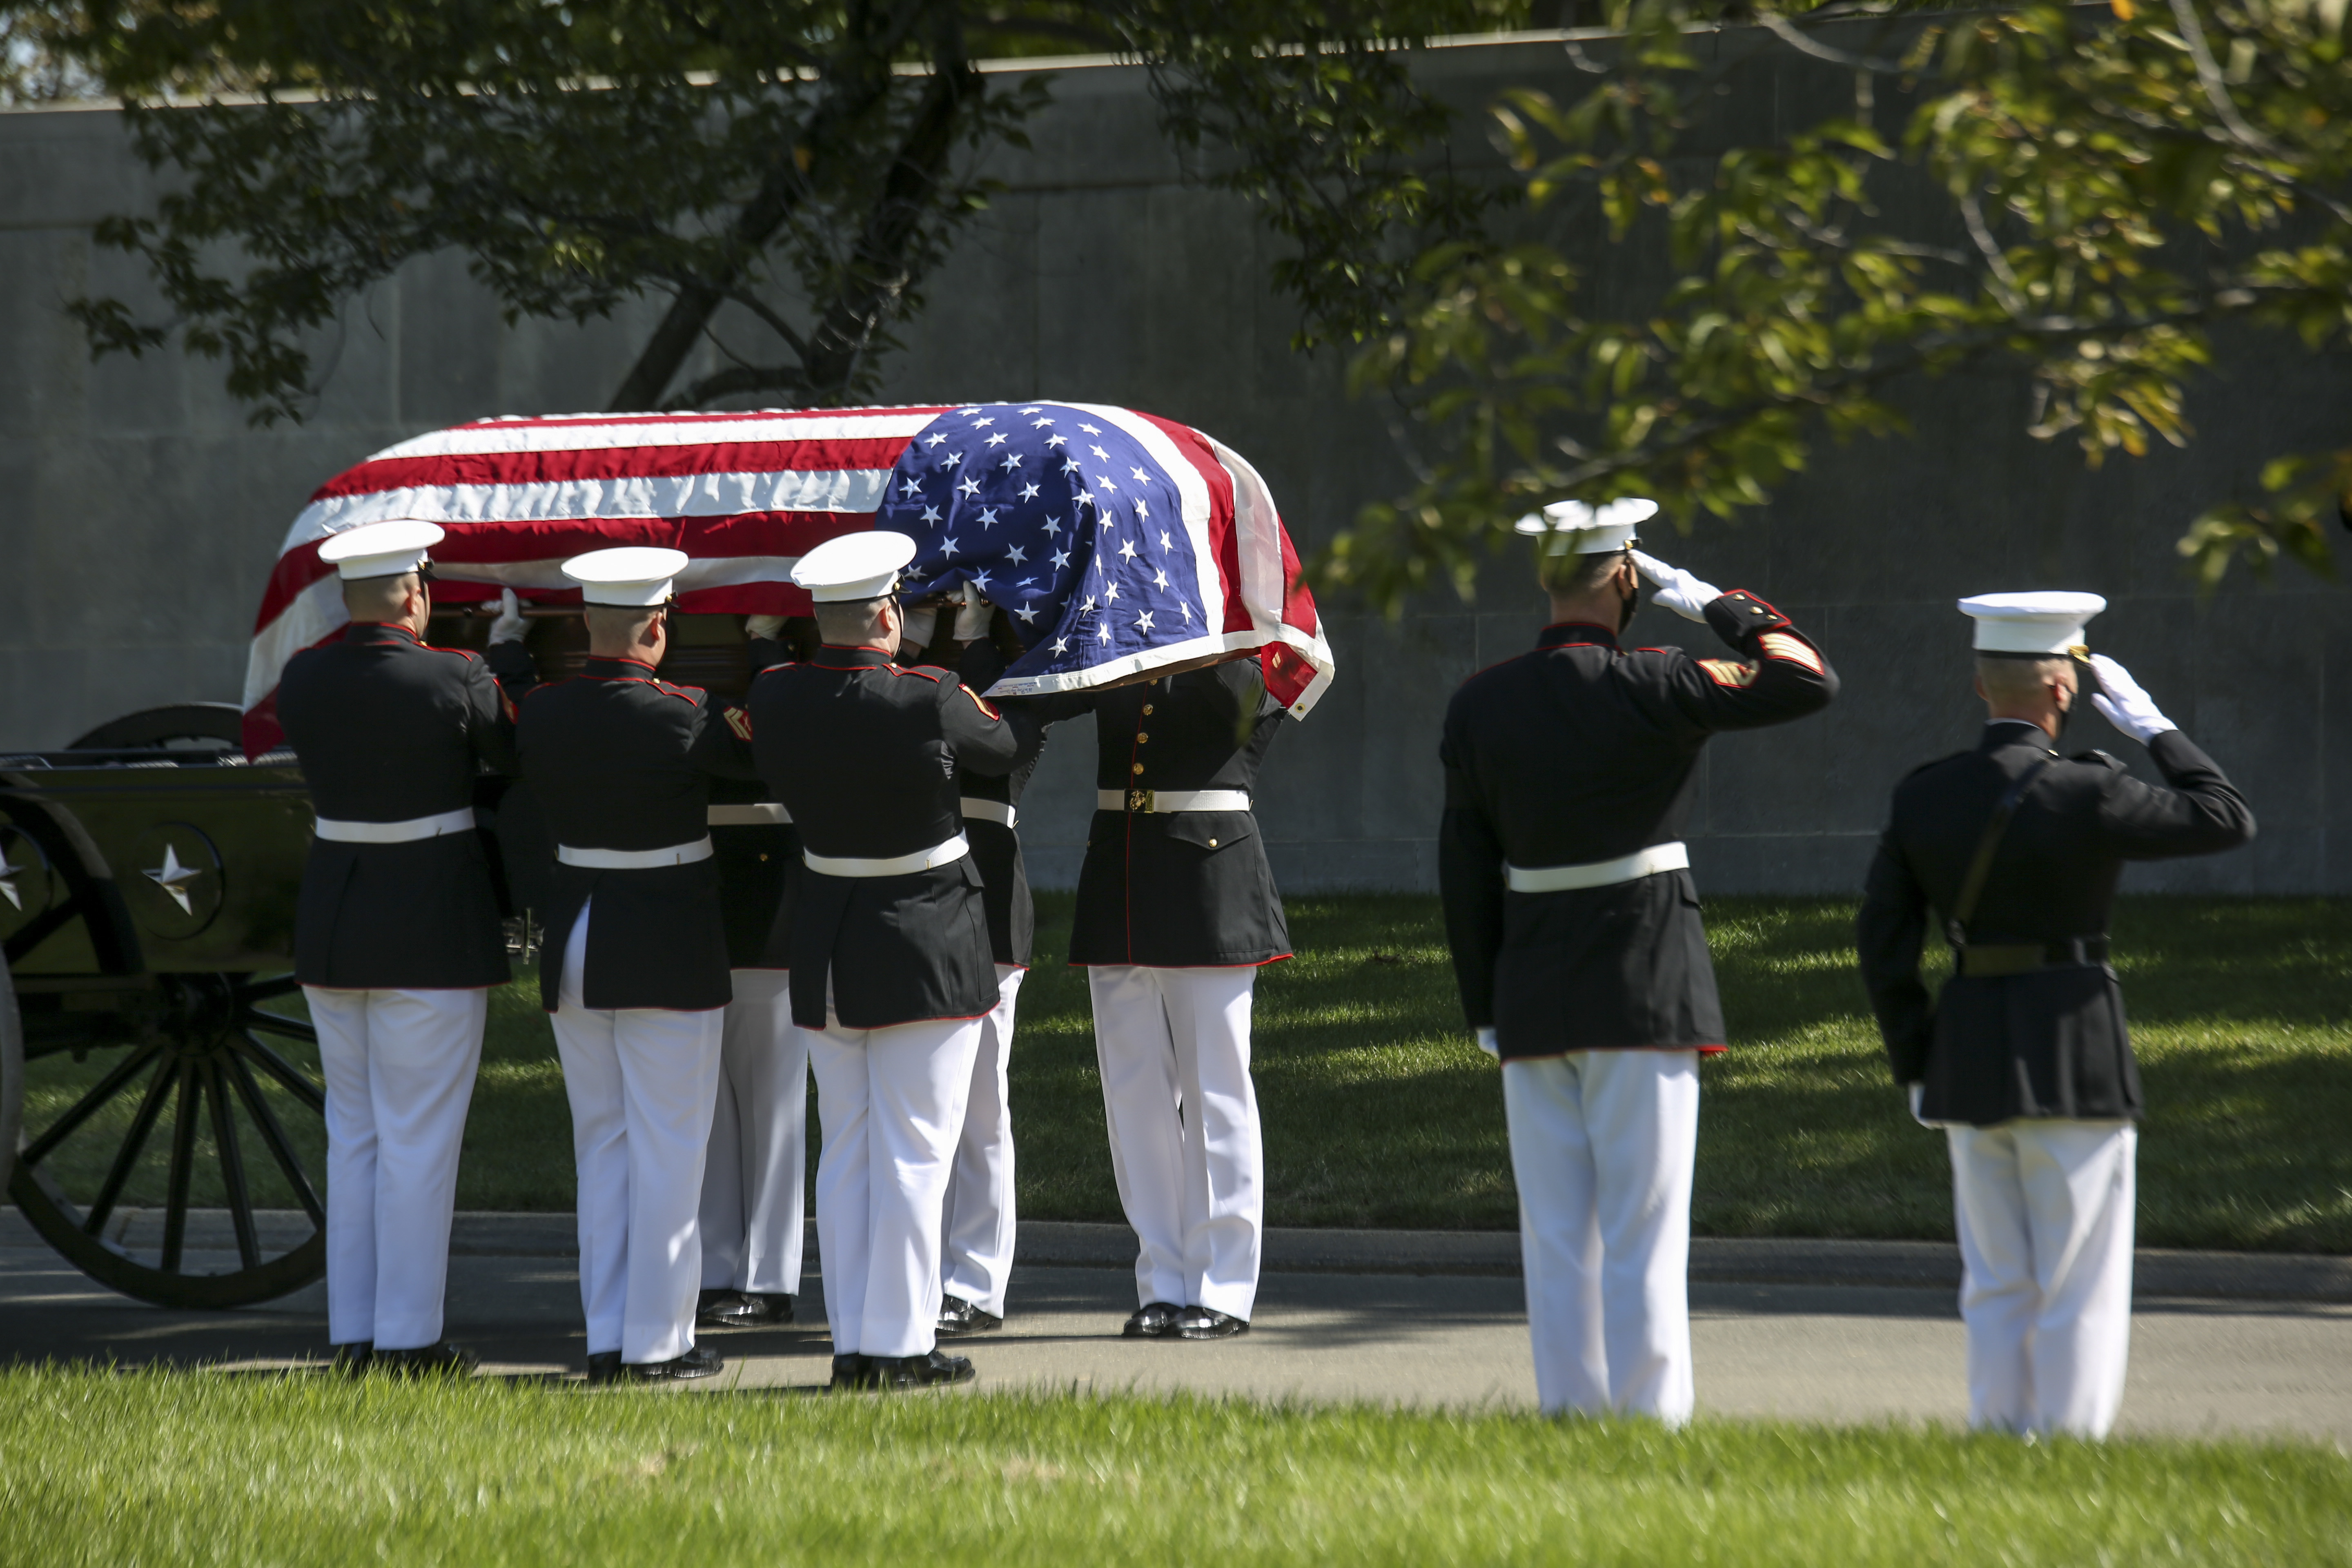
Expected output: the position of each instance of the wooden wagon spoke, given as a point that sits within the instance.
(231, 1154)
(297, 1083)
(184, 1161)
(40, 929)
(88, 1105)
(134, 1144)
(263, 990)
(277, 1024)
(281, 1148)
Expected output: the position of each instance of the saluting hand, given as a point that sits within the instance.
(1679, 590)
(2122, 702)
(507, 624)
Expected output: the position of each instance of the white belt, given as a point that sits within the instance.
(946, 854)
(1173, 799)
(757, 813)
(1630, 867)
(416, 827)
(978, 810)
(635, 860)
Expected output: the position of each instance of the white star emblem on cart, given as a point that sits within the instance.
(174, 878)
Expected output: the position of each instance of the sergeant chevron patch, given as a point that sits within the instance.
(1795, 649)
(1728, 672)
(740, 720)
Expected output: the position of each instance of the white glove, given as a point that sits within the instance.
(972, 616)
(767, 627)
(1678, 591)
(507, 624)
(1489, 1043)
(2121, 702)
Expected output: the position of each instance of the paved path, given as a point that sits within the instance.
(1845, 1352)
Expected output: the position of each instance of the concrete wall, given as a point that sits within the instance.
(139, 513)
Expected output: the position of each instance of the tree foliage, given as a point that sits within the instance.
(2083, 191)
(786, 173)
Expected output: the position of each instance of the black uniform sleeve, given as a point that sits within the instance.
(766, 653)
(1888, 935)
(512, 664)
(1779, 676)
(1470, 888)
(491, 711)
(983, 739)
(722, 741)
(2200, 813)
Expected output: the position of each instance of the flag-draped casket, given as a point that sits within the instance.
(1118, 542)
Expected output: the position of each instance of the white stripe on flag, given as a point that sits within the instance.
(681, 495)
(500, 435)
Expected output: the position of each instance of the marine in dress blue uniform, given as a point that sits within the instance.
(2024, 1058)
(1577, 940)
(636, 973)
(397, 933)
(891, 966)
(755, 1177)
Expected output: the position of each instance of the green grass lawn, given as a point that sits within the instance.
(1379, 1110)
(99, 1468)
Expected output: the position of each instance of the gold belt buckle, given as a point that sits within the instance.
(1139, 800)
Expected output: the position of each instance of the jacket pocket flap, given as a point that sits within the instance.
(1211, 829)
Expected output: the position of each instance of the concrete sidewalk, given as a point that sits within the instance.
(1448, 1330)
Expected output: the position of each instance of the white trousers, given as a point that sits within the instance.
(641, 1081)
(1174, 1049)
(891, 1103)
(2044, 1211)
(400, 1069)
(976, 1251)
(755, 1178)
(1601, 1147)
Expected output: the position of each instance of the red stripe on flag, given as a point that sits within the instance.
(717, 416)
(746, 533)
(1224, 543)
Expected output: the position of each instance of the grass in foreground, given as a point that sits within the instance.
(103, 1468)
(1379, 1111)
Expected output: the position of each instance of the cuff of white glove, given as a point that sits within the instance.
(1489, 1043)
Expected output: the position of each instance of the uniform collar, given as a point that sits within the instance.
(831, 657)
(380, 632)
(1576, 634)
(2001, 733)
(599, 668)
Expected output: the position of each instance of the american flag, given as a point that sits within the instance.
(1120, 544)
(743, 494)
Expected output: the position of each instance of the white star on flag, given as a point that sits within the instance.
(1029, 492)
(911, 487)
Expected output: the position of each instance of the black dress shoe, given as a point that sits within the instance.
(741, 1310)
(957, 1316)
(855, 1371)
(1155, 1321)
(353, 1357)
(438, 1360)
(700, 1362)
(603, 1367)
(1205, 1324)
(929, 1370)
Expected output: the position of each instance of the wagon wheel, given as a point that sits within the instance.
(12, 1075)
(204, 1065)
(199, 1047)
(192, 726)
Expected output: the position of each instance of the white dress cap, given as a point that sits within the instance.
(854, 566)
(2043, 623)
(633, 575)
(390, 549)
(1579, 529)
